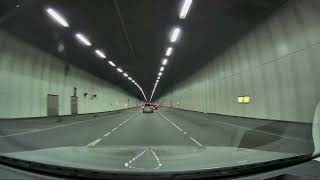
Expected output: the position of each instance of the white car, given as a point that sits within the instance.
(147, 107)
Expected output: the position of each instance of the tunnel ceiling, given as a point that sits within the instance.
(135, 34)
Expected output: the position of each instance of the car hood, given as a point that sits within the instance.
(148, 159)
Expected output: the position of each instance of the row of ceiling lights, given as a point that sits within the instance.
(173, 38)
(83, 40)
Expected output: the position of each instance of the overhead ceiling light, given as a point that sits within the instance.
(57, 17)
(125, 74)
(169, 51)
(157, 80)
(161, 69)
(160, 73)
(119, 70)
(83, 39)
(111, 63)
(175, 34)
(185, 8)
(129, 78)
(158, 77)
(164, 62)
(100, 53)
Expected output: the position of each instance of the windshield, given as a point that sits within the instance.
(233, 83)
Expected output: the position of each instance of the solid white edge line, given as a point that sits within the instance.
(63, 125)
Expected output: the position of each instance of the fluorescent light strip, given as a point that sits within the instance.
(119, 70)
(130, 78)
(164, 62)
(111, 63)
(125, 74)
(185, 8)
(161, 69)
(175, 34)
(57, 17)
(169, 51)
(158, 77)
(100, 53)
(160, 73)
(83, 39)
(143, 94)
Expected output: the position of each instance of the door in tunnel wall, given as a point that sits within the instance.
(74, 105)
(52, 105)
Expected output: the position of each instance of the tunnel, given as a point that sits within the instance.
(162, 89)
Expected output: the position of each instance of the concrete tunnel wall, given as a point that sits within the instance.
(276, 64)
(28, 75)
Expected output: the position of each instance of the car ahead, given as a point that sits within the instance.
(147, 107)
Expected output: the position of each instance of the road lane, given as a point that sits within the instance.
(166, 127)
(147, 129)
(77, 134)
(213, 131)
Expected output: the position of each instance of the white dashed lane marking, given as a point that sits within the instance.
(184, 132)
(95, 142)
(195, 141)
(107, 134)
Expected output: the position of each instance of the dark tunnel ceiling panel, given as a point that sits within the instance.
(135, 34)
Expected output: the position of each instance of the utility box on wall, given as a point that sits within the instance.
(52, 105)
(74, 105)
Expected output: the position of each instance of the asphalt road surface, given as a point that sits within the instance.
(165, 127)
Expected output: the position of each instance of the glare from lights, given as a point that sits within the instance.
(164, 62)
(57, 17)
(160, 73)
(100, 53)
(161, 69)
(125, 74)
(111, 63)
(175, 34)
(185, 8)
(169, 51)
(83, 39)
(119, 70)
